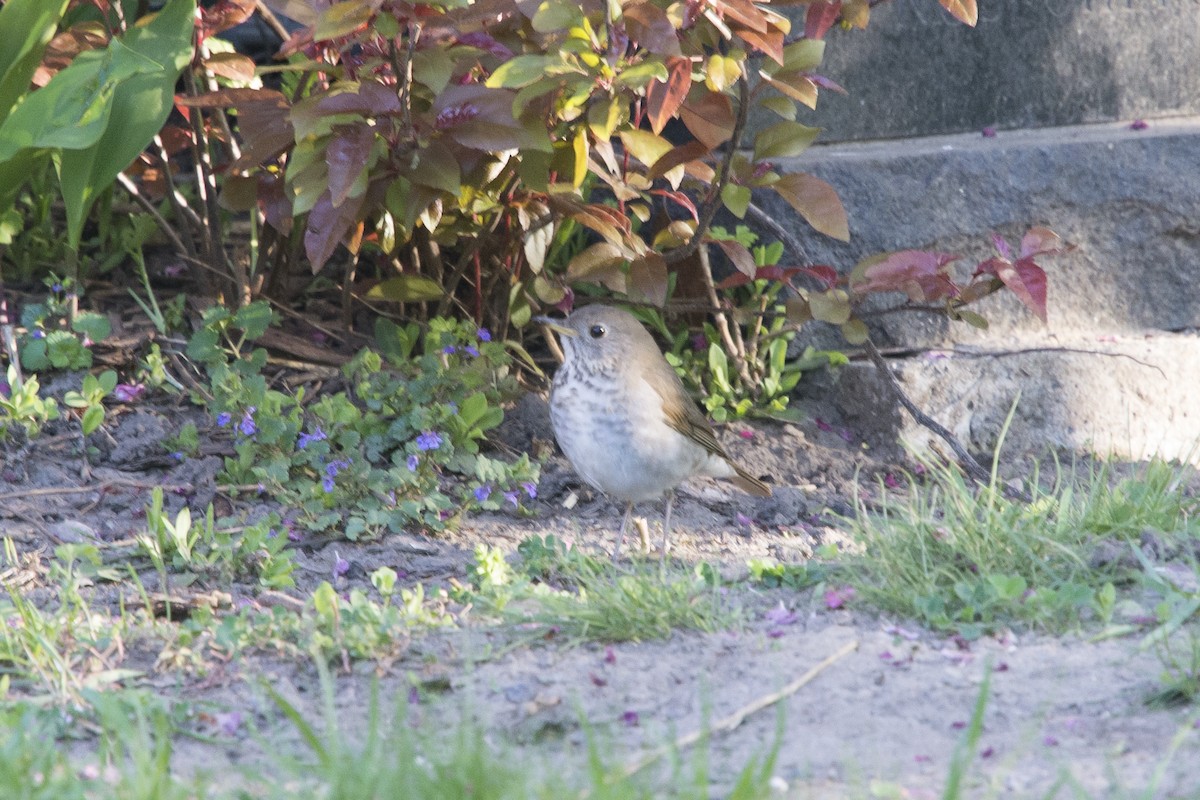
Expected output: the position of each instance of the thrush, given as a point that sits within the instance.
(624, 420)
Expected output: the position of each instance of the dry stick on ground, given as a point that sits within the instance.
(973, 468)
(730, 722)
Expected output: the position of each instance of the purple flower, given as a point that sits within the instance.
(331, 471)
(228, 722)
(838, 596)
(471, 350)
(514, 498)
(223, 419)
(56, 288)
(484, 335)
(247, 426)
(610, 655)
(413, 461)
(38, 333)
(308, 438)
(177, 455)
(449, 350)
(482, 493)
(530, 489)
(1139, 125)
(779, 615)
(429, 440)
(630, 718)
(989, 132)
(128, 392)
(742, 520)
(340, 565)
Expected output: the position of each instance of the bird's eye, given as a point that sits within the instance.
(597, 331)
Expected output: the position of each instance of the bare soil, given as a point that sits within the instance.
(1064, 712)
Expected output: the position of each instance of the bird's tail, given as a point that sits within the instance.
(750, 484)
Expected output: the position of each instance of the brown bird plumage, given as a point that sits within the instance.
(623, 418)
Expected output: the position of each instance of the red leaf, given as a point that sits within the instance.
(739, 255)
(676, 156)
(734, 280)
(1002, 247)
(769, 42)
(648, 279)
(1028, 282)
(817, 202)
(372, 99)
(1040, 241)
(680, 198)
(649, 26)
(820, 18)
(327, 226)
(663, 99)
(266, 127)
(744, 12)
(223, 15)
(347, 154)
(275, 201)
(920, 274)
(709, 118)
(825, 274)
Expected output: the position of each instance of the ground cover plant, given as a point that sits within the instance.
(276, 508)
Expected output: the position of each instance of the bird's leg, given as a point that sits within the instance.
(621, 535)
(667, 524)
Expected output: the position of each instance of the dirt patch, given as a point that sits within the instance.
(1062, 712)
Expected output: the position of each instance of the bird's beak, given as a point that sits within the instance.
(561, 330)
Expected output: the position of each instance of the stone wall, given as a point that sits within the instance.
(916, 71)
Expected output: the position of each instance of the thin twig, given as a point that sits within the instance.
(272, 21)
(721, 321)
(779, 232)
(149, 208)
(103, 486)
(729, 723)
(973, 468)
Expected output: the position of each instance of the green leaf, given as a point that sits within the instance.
(72, 111)
(107, 382)
(254, 319)
(783, 139)
(522, 71)
(139, 107)
(972, 319)
(855, 331)
(342, 19)
(407, 289)
(832, 306)
(472, 408)
(92, 325)
(556, 15)
(28, 26)
(783, 106)
(92, 417)
(637, 77)
(736, 198)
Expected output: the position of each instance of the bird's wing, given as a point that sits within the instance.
(684, 416)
